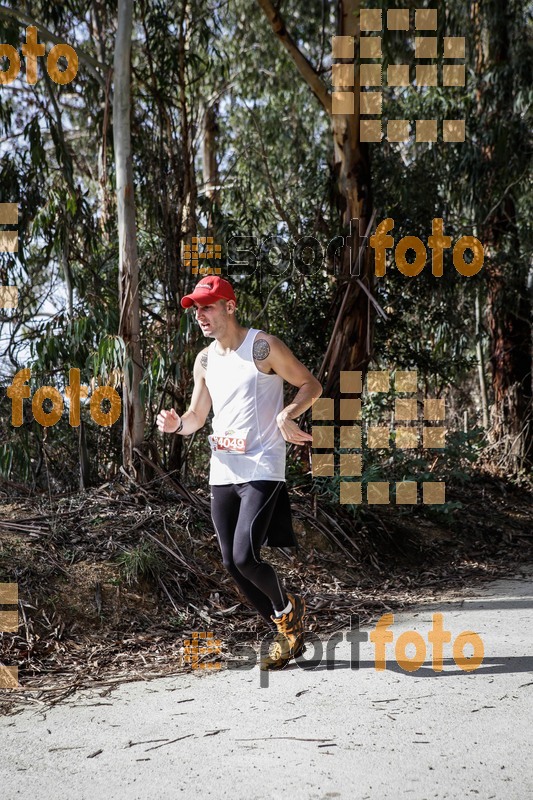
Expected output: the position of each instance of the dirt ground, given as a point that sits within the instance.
(112, 581)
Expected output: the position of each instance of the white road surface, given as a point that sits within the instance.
(312, 734)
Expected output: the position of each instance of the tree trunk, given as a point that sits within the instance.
(187, 221)
(481, 364)
(508, 306)
(133, 416)
(98, 16)
(511, 414)
(210, 166)
(350, 343)
(85, 463)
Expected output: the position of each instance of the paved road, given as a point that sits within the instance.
(320, 733)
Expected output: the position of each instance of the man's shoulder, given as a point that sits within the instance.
(264, 344)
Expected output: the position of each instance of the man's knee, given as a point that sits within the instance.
(245, 564)
(230, 566)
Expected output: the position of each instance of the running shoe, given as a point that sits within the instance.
(289, 641)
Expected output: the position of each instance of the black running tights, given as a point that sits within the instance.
(241, 513)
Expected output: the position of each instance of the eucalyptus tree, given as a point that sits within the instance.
(64, 179)
(129, 330)
(349, 347)
(44, 170)
(503, 191)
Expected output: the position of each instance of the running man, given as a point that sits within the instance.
(241, 375)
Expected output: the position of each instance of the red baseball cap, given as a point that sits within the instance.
(208, 290)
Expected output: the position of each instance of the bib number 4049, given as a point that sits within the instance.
(231, 444)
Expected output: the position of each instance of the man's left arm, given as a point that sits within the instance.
(275, 354)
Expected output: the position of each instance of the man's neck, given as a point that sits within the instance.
(232, 339)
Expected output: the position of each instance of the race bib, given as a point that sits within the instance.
(231, 442)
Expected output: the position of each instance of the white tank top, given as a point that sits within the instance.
(246, 443)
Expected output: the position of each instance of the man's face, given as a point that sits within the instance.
(212, 319)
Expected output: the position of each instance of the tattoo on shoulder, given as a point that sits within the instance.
(203, 360)
(261, 349)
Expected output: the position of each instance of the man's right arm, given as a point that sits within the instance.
(196, 415)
